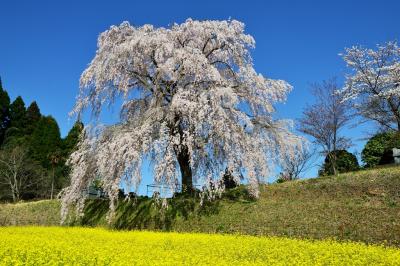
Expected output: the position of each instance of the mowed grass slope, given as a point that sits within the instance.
(44, 212)
(84, 246)
(361, 206)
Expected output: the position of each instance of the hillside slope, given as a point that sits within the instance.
(361, 206)
(44, 212)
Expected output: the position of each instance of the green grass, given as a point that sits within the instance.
(44, 212)
(360, 206)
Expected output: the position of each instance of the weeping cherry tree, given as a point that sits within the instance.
(192, 104)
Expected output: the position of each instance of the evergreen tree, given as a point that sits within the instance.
(345, 162)
(4, 112)
(15, 132)
(33, 116)
(18, 113)
(26, 128)
(45, 140)
(70, 142)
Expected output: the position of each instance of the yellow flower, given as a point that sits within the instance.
(95, 246)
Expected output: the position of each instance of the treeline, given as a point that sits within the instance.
(32, 152)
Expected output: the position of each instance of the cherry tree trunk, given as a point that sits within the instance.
(186, 171)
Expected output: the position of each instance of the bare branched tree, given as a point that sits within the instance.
(17, 172)
(294, 164)
(324, 119)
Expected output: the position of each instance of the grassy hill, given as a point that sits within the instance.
(360, 206)
(45, 212)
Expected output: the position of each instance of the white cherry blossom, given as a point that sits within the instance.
(193, 105)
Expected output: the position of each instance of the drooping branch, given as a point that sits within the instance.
(183, 92)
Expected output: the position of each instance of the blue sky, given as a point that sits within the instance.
(45, 45)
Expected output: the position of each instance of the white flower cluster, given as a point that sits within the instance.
(374, 83)
(189, 89)
(377, 69)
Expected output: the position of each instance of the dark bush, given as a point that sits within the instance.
(345, 162)
(378, 149)
(238, 193)
(229, 180)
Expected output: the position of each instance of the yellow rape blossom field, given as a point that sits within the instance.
(95, 246)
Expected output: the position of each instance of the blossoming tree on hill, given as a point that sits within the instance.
(192, 104)
(374, 83)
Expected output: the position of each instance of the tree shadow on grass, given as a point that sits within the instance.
(148, 213)
(95, 212)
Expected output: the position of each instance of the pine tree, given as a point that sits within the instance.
(4, 112)
(18, 113)
(33, 116)
(45, 140)
(70, 142)
(15, 132)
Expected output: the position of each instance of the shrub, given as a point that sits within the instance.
(378, 149)
(229, 180)
(283, 177)
(238, 193)
(345, 162)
